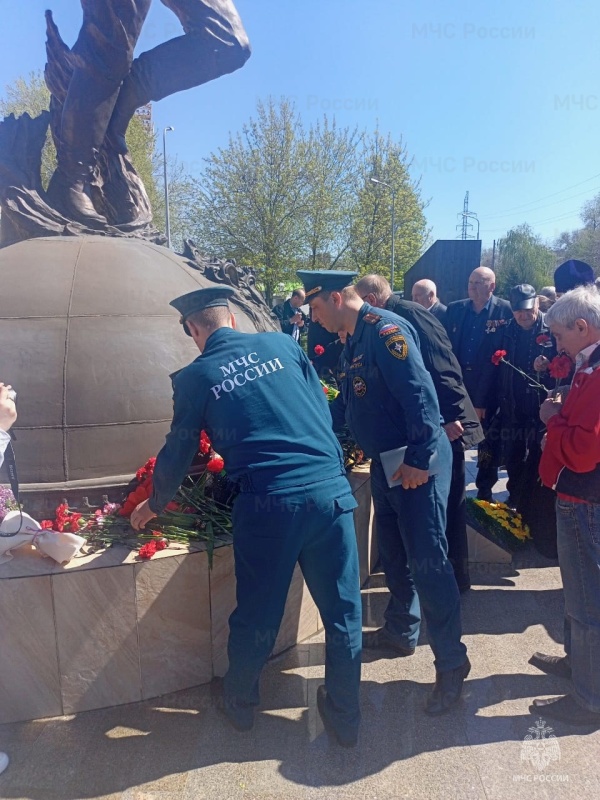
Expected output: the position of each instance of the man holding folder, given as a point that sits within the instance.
(388, 401)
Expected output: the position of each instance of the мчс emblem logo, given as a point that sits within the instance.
(540, 747)
(359, 386)
(397, 346)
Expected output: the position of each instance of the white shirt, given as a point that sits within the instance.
(4, 442)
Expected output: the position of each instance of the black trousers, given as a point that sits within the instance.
(456, 518)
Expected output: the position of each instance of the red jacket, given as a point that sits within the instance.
(573, 440)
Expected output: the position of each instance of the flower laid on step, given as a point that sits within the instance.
(499, 357)
(499, 522)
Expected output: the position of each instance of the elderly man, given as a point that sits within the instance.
(388, 401)
(8, 414)
(424, 293)
(571, 464)
(254, 394)
(475, 326)
(525, 339)
(460, 420)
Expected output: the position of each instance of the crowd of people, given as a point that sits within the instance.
(419, 383)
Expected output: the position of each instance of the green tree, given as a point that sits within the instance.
(584, 243)
(523, 258)
(386, 160)
(281, 196)
(253, 195)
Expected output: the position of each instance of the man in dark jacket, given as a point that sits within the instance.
(475, 328)
(292, 317)
(460, 419)
(520, 429)
(424, 293)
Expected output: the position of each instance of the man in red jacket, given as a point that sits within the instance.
(570, 464)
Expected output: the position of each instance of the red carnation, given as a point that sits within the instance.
(325, 391)
(216, 464)
(560, 367)
(543, 339)
(498, 356)
(204, 444)
(147, 550)
(47, 524)
(319, 350)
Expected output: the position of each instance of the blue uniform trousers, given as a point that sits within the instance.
(312, 525)
(412, 544)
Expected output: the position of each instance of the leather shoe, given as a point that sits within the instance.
(239, 717)
(447, 689)
(565, 709)
(552, 665)
(380, 639)
(345, 737)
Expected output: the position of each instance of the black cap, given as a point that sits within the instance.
(522, 297)
(324, 280)
(212, 297)
(571, 274)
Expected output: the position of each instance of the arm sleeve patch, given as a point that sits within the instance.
(397, 346)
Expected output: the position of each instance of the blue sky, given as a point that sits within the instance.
(501, 101)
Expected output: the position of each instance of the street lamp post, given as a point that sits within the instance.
(393, 191)
(167, 218)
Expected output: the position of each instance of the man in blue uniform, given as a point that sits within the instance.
(388, 401)
(249, 392)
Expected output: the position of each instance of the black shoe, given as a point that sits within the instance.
(464, 588)
(552, 665)
(566, 709)
(485, 496)
(447, 689)
(240, 717)
(380, 639)
(345, 737)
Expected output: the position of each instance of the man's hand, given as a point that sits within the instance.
(549, 409)
(454, 430)
(141, 515)
(480, 413)
(541, 364)
(411, 477)
(8, 410)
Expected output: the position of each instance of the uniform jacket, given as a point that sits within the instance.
(264, 410)
(499, 314)
(387, 397)
(571, 458)
(442, 365)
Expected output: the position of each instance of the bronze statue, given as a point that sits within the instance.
(96, 88)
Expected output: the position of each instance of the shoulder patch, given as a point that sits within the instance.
(387, 329)
(397, 346)
(372, 319)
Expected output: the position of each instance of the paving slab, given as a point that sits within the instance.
(179, 747)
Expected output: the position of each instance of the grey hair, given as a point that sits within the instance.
(580, 303)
